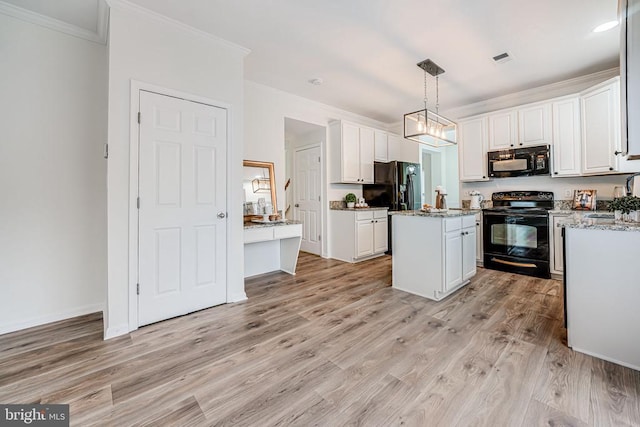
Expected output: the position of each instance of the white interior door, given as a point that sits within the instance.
(182, 213)
(306, 207)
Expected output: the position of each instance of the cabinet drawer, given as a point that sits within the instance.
(380, 214)
(258, 235)
(360, 216)
(468, 221)
(284, 231)
(452, 224)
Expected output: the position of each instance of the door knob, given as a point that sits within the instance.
(221, 215)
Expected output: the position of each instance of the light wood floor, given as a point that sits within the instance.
(334, 345)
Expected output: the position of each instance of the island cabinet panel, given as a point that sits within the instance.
(435, 255)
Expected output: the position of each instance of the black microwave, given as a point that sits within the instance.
(519, 162)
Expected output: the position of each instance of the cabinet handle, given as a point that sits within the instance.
(555, 173)
(617, 152)
(511, 145)
(484, 176)
(610, 168)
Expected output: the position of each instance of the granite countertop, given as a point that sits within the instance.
(572, 211)
(370, 208)
(591, 223)
(448, 214)
(249, 225)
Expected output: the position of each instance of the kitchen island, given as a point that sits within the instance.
(434, 254)
(602, 289)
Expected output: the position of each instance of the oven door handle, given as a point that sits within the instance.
(514, 216)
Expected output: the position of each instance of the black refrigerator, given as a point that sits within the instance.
(396, 186)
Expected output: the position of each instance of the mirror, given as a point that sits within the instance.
(258, 183)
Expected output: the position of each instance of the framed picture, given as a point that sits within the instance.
(584, 200)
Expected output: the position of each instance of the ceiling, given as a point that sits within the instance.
(366, 50)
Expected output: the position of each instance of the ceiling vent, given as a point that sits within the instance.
(503, 57)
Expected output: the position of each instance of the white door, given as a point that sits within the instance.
(182, 190)
(380, 235)
(452, 259)
(472, 150)
(469, 253)
(307, 205)
(364, 238)
(534, 125)
(502, 130)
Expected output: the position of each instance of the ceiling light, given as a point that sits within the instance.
(317, 81)
(425, 126)
(605, 27)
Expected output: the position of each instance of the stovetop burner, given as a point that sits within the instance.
(522, 201)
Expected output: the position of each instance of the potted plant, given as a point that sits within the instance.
(350, 198)
(626, 208)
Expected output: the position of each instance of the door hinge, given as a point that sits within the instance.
(319, 238)
(318, 198)
(106, 151)
(318, 159)
(137, 288)
(138, 202)
(139, 116)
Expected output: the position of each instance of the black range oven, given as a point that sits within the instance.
(516, 232)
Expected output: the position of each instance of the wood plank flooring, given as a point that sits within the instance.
(334, 345)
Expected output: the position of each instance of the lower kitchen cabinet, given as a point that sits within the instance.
(479, 241)
(555, 238)
(433, 256)
(357, 235)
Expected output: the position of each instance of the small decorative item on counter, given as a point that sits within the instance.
(350, 199)
(274, 217)
(584, 200)
(626, 208)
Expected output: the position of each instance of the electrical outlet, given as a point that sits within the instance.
(568, 194)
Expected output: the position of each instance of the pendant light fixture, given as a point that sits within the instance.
(425, 126)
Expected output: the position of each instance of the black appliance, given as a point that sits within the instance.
(396, 186)
(519, 162)
(516, 232)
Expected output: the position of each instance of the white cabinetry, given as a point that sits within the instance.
(352, 153)
(381, 146)
(358, 234)
(271, 248)
(534, 125)
(433, 256)
(472, 149)
(566, 137)
(479, 242)
(600, 125)
(555, 237)
(403, 150)
(503, 130)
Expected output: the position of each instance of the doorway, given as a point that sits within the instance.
(181, 207)
(304, 144)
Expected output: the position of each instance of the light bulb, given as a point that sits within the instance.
(420, 127)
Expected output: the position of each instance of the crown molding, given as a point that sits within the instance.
(537, 94)
(54, 24)
(157, 17)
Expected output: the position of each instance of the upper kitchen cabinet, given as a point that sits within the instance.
(630, 73)
(381, 146)
(403, 150)
(472, 149)
(534, 125)
(503, 130)
(566, 137)
(600, 126)
(352, 153)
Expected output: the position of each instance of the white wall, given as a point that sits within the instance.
(53, 114)
(155, 50)
(560, 186)
(265, 111)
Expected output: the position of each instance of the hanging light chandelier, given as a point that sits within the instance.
(425, 126)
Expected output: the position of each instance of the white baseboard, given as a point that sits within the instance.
(116, 331)
(49, 318)
(237, 297)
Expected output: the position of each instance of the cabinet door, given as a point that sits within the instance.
(472, 149)
(452, 259)
(479, 250)
(350, 153)
(468, 253)
(557, 261)
(566, 137)
(380, 236)
(381, 146)
(600, 127)
(502, 130)
(364, 238)
(534, 125)
(366, 155)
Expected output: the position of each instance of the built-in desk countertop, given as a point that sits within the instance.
(271, 246)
